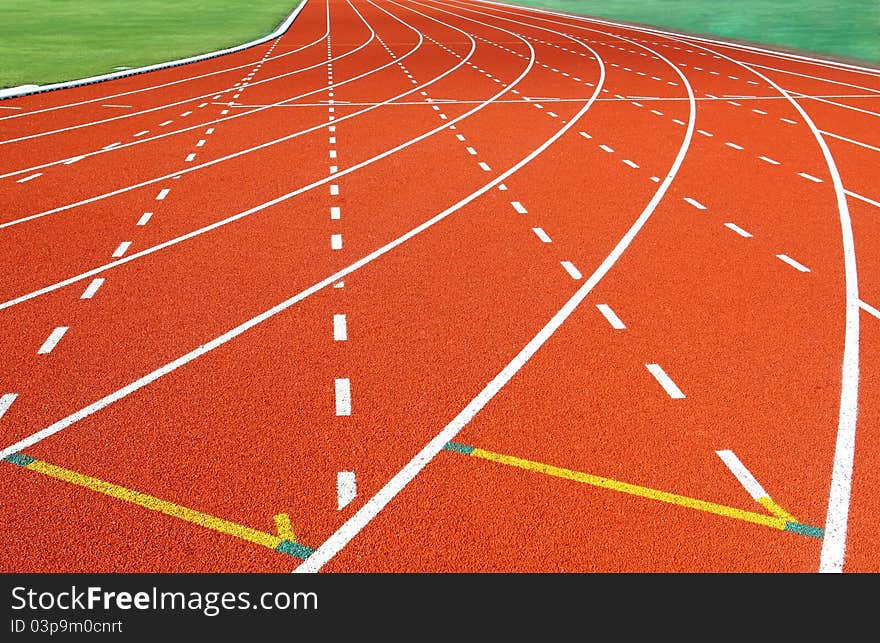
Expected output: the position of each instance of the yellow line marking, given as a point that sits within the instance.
(776, 510)
(636, 490)
(156, 504)
(285, 530)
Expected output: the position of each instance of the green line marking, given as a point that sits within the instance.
(294, 549)
(459, 448)
(20, 459)
(805, 530)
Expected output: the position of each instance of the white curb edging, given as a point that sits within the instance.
(25, 90)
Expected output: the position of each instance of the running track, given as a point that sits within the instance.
(445, 286)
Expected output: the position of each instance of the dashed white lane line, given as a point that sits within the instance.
(190, 158)
(334, 189)
(336, 242)
(810, 177)
(788, 120)
(760, 111)
(484, 166)
(606, 148)
(335, 212)
(767, 159)
(165, 123)
(738, 230)
(611, 316)
(340, 328)
(519, 207)
(92, 288)
(695, 203)
(346, 489)
(631, 164)
(471, 151)
(460, 137)
(734, 145)
(52, 340)
(343, 396)
(209, 131)
(665, 381)
(332, 154)
(704, 132)
(869, 309)
(6, 401)
(145, 217)
(200, 143)
(570, 268)
(339, 284)
(122, 248)
(585, 135)
(141, 133)
(794, 264)
(543, 236)
(746, 479)
(29, 178)
(162, 194)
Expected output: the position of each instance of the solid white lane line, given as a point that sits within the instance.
(340, 328)
(570, 268)
(52, 341)
(28, 178)
(746, 479)
(346, 489)
(869, 309)
(611, 316)
(519, 207)
(768, 160)
(111, 146)
(162, 194)
(145, 217)
(336, 242)
(695, 203)
(121, 249)
(6, 401)
(876, 204)
(850, 140)
(335, 212)
(92, 288)
(738, 230)
(794, 264)
(810, 177)
(343, 396)
(75, 159)
(542, 235)
(665, 381)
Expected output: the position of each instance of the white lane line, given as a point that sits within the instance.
(335, 212)
(200, 143)
(346, 489)
(746, 479)
(29, 178)
(209, 131)
(165, 123)
(695, 203)
(631, 164)
(810, 177)
(92, 288)
(611, 316)
(542, 235)
(869, 309)
(850, 140)
(570, 268)
(162, 194)
(704, 132)
(734, 145)
(186, 114)
(738, 230)
(339, 284)
(334, 189)
(332, 154)
(52, 341)
(484, 166)
(6, 401)
(141, 133)
(111, 146)
(665, 381)
(340, 328)
(343, 396)
(606, 148)
(460, 137)
(760, 111)
(788, 120)
(767, 159)
(678, 121)
(75, 159)
(585, 135)
(145, 217)
(794, 264)
(471, 151)
(336, 242)
(876, 204)
(190, 158)
(519, 207)
(121, 249)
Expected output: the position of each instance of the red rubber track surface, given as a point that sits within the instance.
(243, 181)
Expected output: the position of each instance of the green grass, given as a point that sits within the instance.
(45, 41)
(848, 29)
